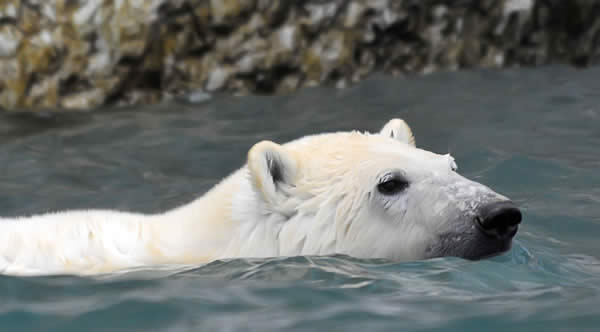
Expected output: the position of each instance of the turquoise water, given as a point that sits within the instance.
(533, 135)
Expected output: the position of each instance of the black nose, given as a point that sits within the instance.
(499, 220)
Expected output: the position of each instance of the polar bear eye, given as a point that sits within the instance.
(392, 186)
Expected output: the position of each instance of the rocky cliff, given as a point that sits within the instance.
(77, 54)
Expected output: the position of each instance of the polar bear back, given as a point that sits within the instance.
(92, 241)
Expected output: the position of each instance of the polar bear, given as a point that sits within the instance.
(359, 194)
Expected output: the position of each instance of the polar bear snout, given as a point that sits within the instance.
(474, 223)
(498, 220)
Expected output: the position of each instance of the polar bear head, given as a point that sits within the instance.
(373, 195)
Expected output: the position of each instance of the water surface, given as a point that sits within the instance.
(533, 135)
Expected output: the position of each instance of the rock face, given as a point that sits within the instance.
(79, 54)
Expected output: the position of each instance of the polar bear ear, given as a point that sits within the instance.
(272, 170)
(398, 130)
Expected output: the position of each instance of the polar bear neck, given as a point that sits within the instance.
(202, 230)
(231, 220)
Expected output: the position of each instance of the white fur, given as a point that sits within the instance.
(323, 202)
